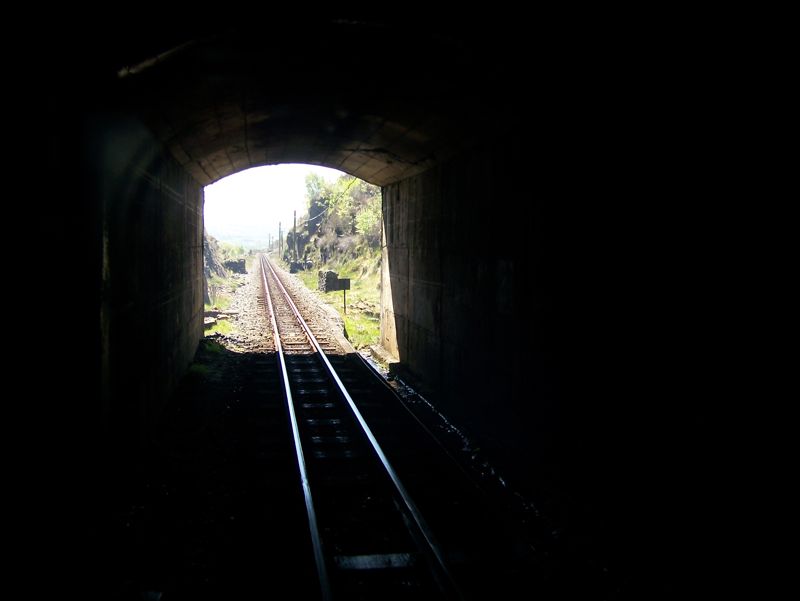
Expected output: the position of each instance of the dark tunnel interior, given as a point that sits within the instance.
(585, 316)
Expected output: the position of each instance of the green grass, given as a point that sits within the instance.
(221, 327)
(363, 328)
(220, 302)
(309, 278)
(362, 331)
(212, 346)
(198, 369)
(218, 291)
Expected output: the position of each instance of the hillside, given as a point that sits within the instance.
(341, 232)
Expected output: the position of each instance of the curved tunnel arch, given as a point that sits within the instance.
(324, 94)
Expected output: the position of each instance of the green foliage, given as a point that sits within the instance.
(218, 292)
(198, 369)
(341, 200)
(362, 330)
(221, 301)
(228, 251)
(315, 186)
(344, 233)
(220, 289)
(344, 218)
(212, 346)
(368, 221)
(362, 321)
(309, 279)
(222, 326)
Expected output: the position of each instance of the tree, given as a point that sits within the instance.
(344, 215)
(368, 220)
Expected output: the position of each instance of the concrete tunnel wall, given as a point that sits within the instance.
(459, 256)
(152, 277)
(517, 299)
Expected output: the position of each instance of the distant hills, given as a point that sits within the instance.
(250, 242)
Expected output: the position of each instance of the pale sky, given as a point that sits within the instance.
(249, 204)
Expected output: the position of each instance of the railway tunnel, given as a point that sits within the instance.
(537, 336)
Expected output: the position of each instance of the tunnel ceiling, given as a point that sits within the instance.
(379, 100)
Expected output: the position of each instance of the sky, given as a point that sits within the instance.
(247, 206)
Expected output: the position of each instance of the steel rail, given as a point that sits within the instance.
(456, 463)
(316, 539)
(411, 507)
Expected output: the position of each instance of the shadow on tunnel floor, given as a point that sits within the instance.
(211, 510)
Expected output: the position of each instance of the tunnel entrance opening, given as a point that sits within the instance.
(320, 224)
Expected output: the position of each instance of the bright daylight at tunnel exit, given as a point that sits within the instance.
(319, 223)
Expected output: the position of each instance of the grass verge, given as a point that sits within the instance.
(362, 320)
(220, 327)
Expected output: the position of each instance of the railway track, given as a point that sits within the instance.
(370, 539)
(395, 519)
